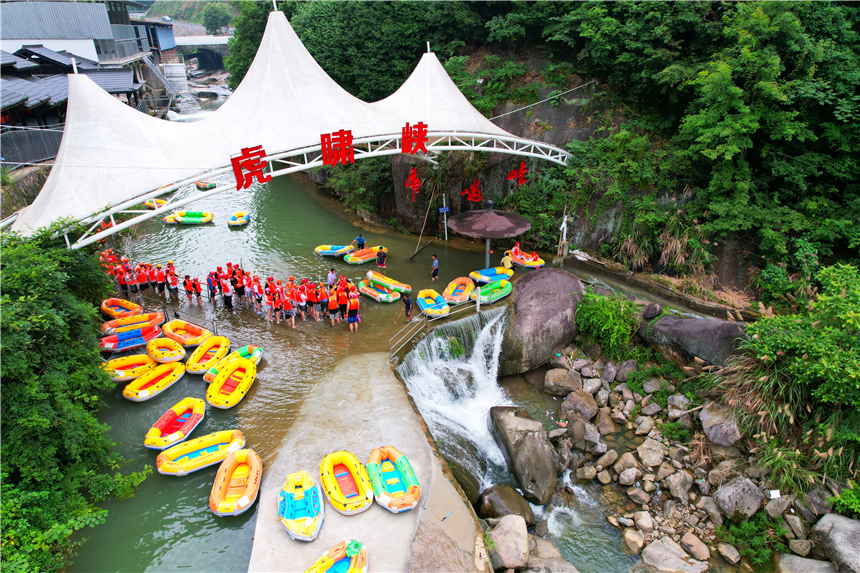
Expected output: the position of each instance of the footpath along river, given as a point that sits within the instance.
(167, 525)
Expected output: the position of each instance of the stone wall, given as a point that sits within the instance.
(26, 184)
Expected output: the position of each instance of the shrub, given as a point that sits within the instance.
(848, 502)
(755, 539)
(609, 321)
(676, 432)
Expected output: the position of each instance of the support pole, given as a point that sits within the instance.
(487, 257)
(445, 217)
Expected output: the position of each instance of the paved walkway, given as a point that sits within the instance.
(359, 406)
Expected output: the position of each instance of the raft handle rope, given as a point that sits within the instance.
(448, 514)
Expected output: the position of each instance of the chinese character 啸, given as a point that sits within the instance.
(250, 161)
(413, 182)
(519, 174)
(472, 193)
(414, 138)
(337, 147)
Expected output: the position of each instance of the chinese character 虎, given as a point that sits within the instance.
(337, 147)
(413, 182)
(249, 160)
(519, 174)
(414, 138)
(473, 192)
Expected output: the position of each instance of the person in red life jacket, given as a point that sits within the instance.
(303, 300)
(212, 284)
(119, 272)
(170, 267)
(342, 300)
(333, 309)
(227, 293)
(238, 286)
(257, 288)
(269, 298)
(534, 256)
(131, 280)
(352, 316)
(516, 251)
(111, 257)
(290, 310)
(219, 274)
(153, 277)
(159, 279)
(323, 300)
(278, 306)
(142, 279)
(188, 285)
(198, 290)
(172, 285)
(314, 301)
(249, 289)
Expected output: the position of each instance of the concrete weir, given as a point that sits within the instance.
(359, 406)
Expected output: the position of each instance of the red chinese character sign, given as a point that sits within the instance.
(337, 147)
(249, 165)
(413, 182)
(414, 138)
(519, 174)
(472, 193)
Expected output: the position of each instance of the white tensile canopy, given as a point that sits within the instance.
(113, 156)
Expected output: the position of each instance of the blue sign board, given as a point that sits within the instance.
(444, 209)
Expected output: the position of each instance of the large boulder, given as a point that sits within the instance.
(841, 539)
(501, 500)
(581, 403)
(530, 455)
(720, 424)
(509, 543)
(739, 499)
(541, 319)
(561, 382)
(787, 563)
(650, 452)
(683, 339)
(666, 555)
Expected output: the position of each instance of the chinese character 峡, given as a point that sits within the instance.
(414, 138)
(249, 160)
(473, 192)
(337, 147)
(519, 174)
(413, 182)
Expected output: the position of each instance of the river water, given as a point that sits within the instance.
(167, 525)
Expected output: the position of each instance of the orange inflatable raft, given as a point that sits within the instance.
(237, 483)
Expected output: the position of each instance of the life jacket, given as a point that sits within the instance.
(212, 282)
(269, 299)
(226, 288)
(258, 290)
(141, 276)
(120, 277)
(130, 278)
(353, 304)
(516, 252)
(173, 281)
(332, 300)
(288, 305)
(188, 284)
(312, 296)
(152, 275)
(196, 286)
(159, 276)
(278, 302)
(341, 296)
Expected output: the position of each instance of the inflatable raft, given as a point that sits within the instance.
(395, 486)
(209, 352)
(193, 455)
(431, 303)
(251, 352)
(120, 308)
(526, 263)
(334, 250)
(377, 292)
(154, 382)
(186, 333)
(130, 339)
(485, 276)
(301, 507)
(380, 279)
(237, 483)
(176, 424)
(345, 483)
(128, 368)
(364, 255)
(205, 185)
(345, 557)
(193, 217)
(491, 292)
(164, 350)
(232, 383)
(239, 219)
(458, 290)
(170, 219)
(154, 203)
(132, 322)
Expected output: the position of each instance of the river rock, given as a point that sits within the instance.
(607, 459)
(541, 319)
(626, 461)
(795, 524)
(729, 553)
(563, 450)
(592, 385)
(638, 496)
(633, 539)
(681, 340)
(580, 402)
(776, 506)
(604, 422)
(665, 470)
(787, 563)
(645, 426)
(609, 372)
(841, 539)
(739, 499)
(530, 455)
(561, 382)
(679, 485)
(666, 555)
(542, 549)
(817, 500)
(643, 521)
(585, 473)
(501, 500)
(801, 547)
(695, 547)
(629, 476)
(707, 503)
(509, 543)
(651, 409)
(624, 370)
(650, 453)
(678, 404)
(602, 398)
(652, 311)
(604, 477)
(469, 483)
(720, 424)
(561, 362)
(544, 557)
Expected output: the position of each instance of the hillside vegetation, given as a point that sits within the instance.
(190, 11)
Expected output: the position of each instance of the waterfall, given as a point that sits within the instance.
(451, 376)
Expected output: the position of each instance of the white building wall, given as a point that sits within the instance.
(83, 48)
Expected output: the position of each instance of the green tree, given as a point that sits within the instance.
(248, 34)
(216, 15)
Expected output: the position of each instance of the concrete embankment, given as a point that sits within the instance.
(360, 406)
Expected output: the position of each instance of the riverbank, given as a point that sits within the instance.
(358, 406)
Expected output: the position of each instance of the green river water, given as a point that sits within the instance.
(167, 525)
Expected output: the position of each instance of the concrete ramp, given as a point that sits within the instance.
(359, 406)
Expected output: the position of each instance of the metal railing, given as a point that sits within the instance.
(156, 71)
(21, 145)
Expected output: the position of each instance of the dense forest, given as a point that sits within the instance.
(746, 112)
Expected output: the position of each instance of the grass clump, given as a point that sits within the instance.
(455, 349)
(848, 502)
(608, 321)
(676, 432)
(755, 539)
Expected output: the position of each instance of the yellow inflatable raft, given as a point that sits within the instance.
(236, 484)
(388, 282)
(301, 506)
(458, 290)
(193, 455)
(154, 203)
(120, 308)
(232, 383)
(128, 368)
(251, 352)
(208, 353)
(526, 261)
(345, 483)
(132, 322)
(345, 557)
(153, 382)
(164, 350)
(176, 424)
(185, 333)
(239, 219)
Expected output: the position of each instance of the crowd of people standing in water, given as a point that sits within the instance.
(337, 299)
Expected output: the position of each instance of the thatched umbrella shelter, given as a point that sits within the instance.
(489, 224)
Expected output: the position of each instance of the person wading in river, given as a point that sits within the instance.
(434, 270)
(380, 258)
